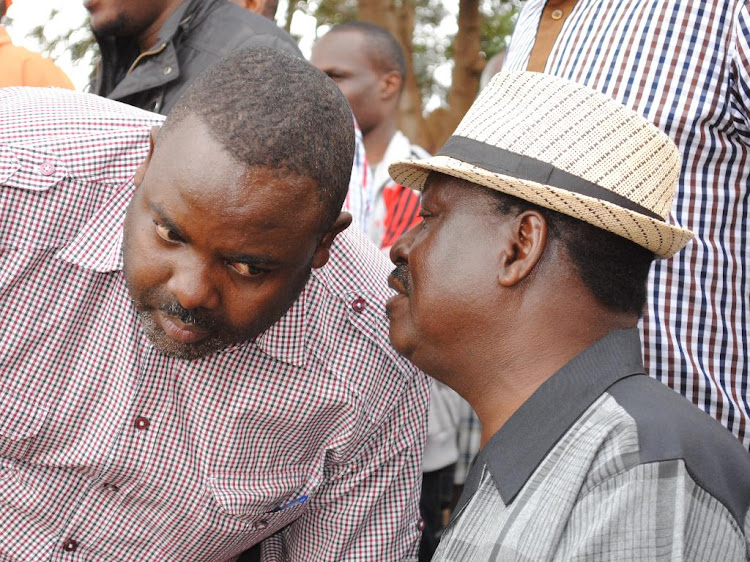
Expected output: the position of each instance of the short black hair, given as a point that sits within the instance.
(383, 48)
(613, 268)
(269, 108)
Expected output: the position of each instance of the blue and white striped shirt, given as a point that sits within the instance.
(685, 66)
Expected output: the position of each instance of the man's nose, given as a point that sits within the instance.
(193, 285)
(399, 253)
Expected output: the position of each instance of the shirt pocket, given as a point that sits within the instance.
(25, 168)
(21, 419)
(31, 201)
(261, 503)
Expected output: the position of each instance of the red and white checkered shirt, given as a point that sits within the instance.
(310, 435)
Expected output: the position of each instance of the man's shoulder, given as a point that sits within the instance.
(63, 155)
(54, 111)
(92, 137)
(226, 27)
(669, 428)
(348, 325)
(356, 266)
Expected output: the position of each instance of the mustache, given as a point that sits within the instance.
(194, 317)
(401, 274)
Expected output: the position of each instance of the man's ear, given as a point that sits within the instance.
(323, 251)
(391, 83)
(254, 6)
(522, 247)
(140, 173)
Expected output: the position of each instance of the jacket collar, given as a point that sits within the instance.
(143, 69)
(517, 449)
(98, 247)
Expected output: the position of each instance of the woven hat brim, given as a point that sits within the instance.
(663, 239)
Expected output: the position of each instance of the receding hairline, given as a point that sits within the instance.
(183, 118)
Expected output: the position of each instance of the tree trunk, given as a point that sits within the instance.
(398, 17)
(410, 118)
(467, 69)
(291, 7)
(379, 12)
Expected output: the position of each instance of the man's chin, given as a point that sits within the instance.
(179, 350)
(399, 339)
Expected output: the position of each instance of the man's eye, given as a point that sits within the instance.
(246, 270)
(166, 233)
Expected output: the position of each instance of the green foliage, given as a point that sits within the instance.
(77, 43)
(432, 40)
(497, 25)
(333, 12)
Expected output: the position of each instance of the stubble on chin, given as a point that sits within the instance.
(166, 345)
(119, 26)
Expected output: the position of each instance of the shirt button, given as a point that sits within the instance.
(167, 70)
(107, 487)
(47, 168)
(556, 14)
(359, 304)
(70, 545)
(420, 524)
(141, 423)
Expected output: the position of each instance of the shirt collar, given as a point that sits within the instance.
(98, 247)
(286, 339)
(180, 17)
(398, 148)
(517, 449)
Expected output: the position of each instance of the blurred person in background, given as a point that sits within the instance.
(21, 67)
(152, 50)
(368, 65)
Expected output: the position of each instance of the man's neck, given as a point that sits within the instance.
(377, 140)
(147, 39)
(529, 355)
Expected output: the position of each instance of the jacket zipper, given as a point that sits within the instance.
(156, 51)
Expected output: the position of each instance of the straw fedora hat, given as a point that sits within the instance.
(568, 148)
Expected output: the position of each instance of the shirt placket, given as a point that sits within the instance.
(101, 509)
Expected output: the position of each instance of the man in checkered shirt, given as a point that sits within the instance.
(194, 356)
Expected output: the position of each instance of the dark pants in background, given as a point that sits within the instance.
(437, 490)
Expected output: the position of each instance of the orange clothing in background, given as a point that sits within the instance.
(21, 67)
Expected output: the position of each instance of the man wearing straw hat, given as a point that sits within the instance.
(522, 289)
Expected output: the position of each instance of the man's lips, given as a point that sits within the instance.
(395, 284)
(181, 332)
